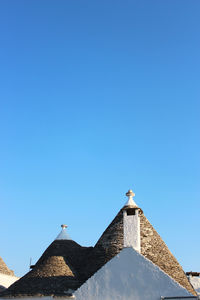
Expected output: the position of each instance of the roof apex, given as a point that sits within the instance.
(63, 235)
(130, 203)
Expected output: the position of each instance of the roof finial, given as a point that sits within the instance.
(64, 226)
(130, 202)
(63, 234)
(130, 194)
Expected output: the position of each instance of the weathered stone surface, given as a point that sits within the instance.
(66, 265)
(59, 270)
(4, 269)
(152, 247)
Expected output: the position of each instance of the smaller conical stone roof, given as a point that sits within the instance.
(4, 269)
(59, 270)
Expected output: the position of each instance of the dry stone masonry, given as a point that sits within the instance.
(4, 269)
(65, 265)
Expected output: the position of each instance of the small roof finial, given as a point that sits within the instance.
(130, 202)
(64, 226)
(130, 194)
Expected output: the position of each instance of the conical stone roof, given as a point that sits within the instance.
(66, 265)
(4, 269)
(152, 247)
(58, 271)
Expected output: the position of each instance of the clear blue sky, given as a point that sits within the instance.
(97, 97)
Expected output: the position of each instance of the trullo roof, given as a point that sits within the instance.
(152, 247)
(4, 269)
(66, 265)
(58, 271)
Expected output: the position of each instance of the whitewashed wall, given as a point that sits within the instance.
(129, 276)
(7, 280)
(195, 281)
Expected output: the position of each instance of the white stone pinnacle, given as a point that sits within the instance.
(130, 201)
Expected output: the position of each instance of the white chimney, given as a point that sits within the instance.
(131, 222)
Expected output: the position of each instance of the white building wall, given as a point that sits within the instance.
(7, 280)
(129, 276)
